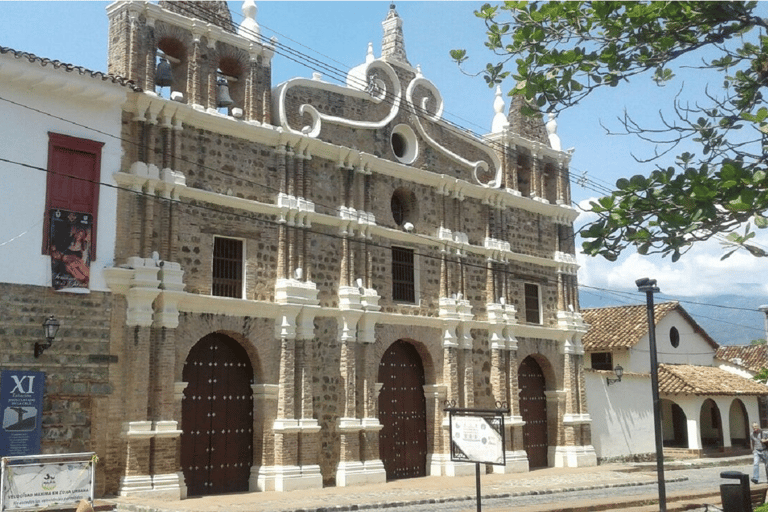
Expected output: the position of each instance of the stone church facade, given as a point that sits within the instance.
(306, 274)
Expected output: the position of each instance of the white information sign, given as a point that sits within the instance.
(40, 485)
(478, 439)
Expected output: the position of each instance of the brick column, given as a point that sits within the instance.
(512, 168)
(194, 72)
(309, 454)
(498, 374)
(137, 430)
(286, 436)
(438, 444)
(264, 415)
(560, 183)
(150, 55)
(349, 428)
(250, 108)
(534, 180)
(468, 379)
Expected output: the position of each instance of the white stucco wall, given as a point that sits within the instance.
(622, 415)
(730, 367)
(693, 348)
(65, 103)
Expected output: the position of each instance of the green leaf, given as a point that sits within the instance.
(459, 55)
(606, 202)
(638, 181)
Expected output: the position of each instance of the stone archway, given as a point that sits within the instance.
(674, 425)
(217, 417)
(738, 421)
(710, 425)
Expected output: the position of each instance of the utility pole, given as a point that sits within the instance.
(649, 287)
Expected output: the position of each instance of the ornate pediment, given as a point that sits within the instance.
(401, 104)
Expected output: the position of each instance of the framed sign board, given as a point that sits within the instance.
(46, 481)
(477, 435)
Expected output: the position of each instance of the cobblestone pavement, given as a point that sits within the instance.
(457, 494)
(690, 480)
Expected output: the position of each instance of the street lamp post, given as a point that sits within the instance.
(649, 287)
(764, 309)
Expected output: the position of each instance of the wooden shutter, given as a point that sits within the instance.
(74, 172)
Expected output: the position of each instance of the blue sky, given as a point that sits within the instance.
(338, 33)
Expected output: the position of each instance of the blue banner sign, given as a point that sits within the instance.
(21, 409)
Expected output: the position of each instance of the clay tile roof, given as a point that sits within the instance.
(621, 327)
(684, 379)
(752, 357)
(70, 68)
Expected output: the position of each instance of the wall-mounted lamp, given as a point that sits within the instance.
(51, 327)
(619, 371)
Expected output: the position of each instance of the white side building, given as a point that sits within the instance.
(704, 408)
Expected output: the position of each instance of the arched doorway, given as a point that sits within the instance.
(710, 425)
(217, 417)
(674, 425)
(402, 412)
(533, 409)
(739, 424)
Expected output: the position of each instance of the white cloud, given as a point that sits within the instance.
(699, 273)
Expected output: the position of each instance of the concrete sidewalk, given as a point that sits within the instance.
(430, 490)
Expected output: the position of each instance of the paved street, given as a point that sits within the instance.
(703, 479)
(514, 492)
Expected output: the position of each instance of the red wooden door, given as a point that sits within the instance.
(533, 409)
(217, 417)
(402, 413)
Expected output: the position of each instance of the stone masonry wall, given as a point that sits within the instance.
(77, 365)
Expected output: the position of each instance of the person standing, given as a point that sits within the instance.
(759, 452)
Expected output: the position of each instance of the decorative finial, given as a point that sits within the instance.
(249, 28)
(500, 121)
(554, 138)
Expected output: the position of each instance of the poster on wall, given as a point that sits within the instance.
(70, 248)
(21, 406)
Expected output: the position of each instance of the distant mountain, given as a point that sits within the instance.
(728, 319)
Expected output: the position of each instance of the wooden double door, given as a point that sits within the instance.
(533, 409)
(217, 417)
(402, 412)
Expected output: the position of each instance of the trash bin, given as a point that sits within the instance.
(735, 497)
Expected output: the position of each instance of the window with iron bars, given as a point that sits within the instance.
(403, 282)
(227, 277)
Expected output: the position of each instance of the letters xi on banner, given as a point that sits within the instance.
(21, 406)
